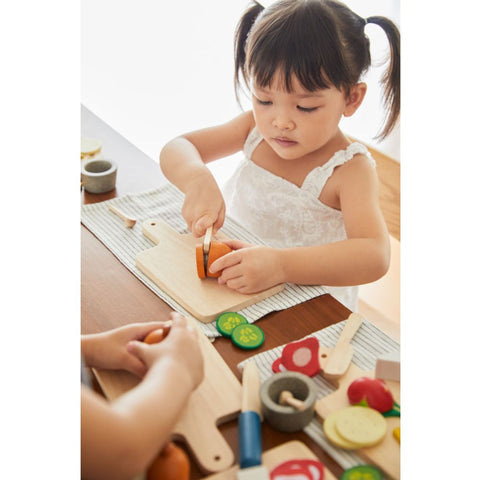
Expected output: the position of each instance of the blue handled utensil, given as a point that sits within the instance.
(249, 427)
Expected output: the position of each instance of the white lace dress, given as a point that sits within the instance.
(284, 215)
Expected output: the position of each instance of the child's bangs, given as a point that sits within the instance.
(303, 43)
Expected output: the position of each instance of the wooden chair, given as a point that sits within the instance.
(379, 301)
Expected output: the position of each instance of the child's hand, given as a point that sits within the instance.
(203, 206)
(109, 349)
(248, 269)
(181, 346)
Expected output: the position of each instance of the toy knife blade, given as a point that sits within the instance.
(207, 241)
(249, 427)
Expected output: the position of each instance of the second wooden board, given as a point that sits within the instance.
(386, 454)
(293, 450)
(171, 265)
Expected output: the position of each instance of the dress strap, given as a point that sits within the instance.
(318, 177)
(252, 141)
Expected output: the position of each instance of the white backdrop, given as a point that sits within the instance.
(153, 70)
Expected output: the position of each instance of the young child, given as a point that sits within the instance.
(308, 192)
(121, 438)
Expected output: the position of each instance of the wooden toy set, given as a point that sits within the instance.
(361, 415)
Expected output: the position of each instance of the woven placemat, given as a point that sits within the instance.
(165, 203)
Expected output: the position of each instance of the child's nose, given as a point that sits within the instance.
(283, 122)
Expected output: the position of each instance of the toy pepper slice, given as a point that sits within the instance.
(248, 336)
(217, 250)
(227, 321)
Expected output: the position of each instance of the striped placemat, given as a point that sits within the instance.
(165, 203)
(369, 343)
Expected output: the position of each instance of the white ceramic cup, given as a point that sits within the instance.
(99, 175)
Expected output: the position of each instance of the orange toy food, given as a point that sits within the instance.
(158, 335)
(217, 250)
(171, 464)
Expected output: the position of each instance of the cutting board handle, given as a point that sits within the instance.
(155, 229)
(211, 451)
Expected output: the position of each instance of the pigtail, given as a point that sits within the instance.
(241, 33)
(391, 78)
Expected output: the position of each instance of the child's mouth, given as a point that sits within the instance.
(284, 142)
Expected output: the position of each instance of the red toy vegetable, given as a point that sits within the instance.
(371, 392)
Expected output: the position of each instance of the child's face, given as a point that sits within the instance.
(298, 123)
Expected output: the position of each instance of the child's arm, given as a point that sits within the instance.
(362, 258)
(120, 439)
(183, 161)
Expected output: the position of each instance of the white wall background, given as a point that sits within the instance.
(153, 70)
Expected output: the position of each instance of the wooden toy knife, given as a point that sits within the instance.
(207, 241)
(341, 355)
(249, 427)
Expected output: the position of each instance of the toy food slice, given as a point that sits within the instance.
(360, 472)
(361, 425)
(248, 336)
(217, 250)
(227, 321)
(330, 430)
(298, 469)
(302, 356)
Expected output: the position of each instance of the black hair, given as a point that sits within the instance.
(321, 42)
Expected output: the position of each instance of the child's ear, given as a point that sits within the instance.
(355, 99)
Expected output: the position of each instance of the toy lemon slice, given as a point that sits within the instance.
(361, 425)
(330, 430)
(228, 321)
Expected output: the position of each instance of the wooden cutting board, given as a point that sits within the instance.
(386, 454)
(293, 450)
(172, 266)
(217, 399)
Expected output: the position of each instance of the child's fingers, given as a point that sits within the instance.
(136, 366)
(201, 225)
(228, 260)
(236, 244)
(139, 349)
(144, 329)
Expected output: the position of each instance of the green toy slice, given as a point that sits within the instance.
(362, 472)
(248, 336)
(228, 321)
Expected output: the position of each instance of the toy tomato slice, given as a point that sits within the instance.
(303, 469)
(302, 356)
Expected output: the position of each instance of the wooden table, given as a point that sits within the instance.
(112, 296)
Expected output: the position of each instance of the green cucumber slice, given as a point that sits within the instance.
(227, 321)
(362, 472)
(248, 336)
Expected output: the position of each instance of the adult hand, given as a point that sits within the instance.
(181, 346)
(109, 349)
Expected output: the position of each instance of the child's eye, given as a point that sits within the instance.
(305, 109)
(262, 102)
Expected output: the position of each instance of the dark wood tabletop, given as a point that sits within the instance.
(112, 296)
